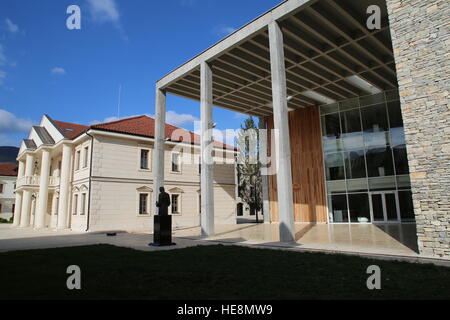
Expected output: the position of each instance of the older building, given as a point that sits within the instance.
(94, 178)
(8, 177)
(358, 94)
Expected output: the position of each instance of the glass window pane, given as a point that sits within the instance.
(334, 165)
(379, 139)
(349, 104)
(339, 208)
(357, 185)
(403, 182)
(351, 122)
(336, 186)
(355, 164)
(391, 207)
(406, 206)
(401, 160)
(377, 207)
(372, 99)
(395, 114)
(329, 108)
(359, 207)
(353, 143)
(397, 137)
(332, 145)
(379, 162)
(385, 183)
(375, 118)
(331, 125)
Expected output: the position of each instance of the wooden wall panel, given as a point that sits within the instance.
(307, 167)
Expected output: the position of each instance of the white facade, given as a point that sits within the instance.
(7, 196)
(97, 181)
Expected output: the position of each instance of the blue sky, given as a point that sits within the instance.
(74, 75)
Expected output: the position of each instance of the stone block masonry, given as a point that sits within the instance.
(420, 33)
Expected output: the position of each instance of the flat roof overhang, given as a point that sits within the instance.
(326, 44)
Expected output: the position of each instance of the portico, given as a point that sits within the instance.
(327, 87)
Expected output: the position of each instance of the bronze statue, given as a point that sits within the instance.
(163, 202)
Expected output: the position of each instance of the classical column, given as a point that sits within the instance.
(26, 196)
(21, 171)
(43, 190)
(264, 176)
(207, 183)
(54, 211)
(17, 209)
(282, 140)
(64, 187)
(160, 135)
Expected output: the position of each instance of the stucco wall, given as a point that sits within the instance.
(421, 42)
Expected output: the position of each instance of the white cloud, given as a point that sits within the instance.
(9, 123)
(58, 71)
(2, 55)
(11, 27)
(104, 10)
(223, 30)
(179, 120)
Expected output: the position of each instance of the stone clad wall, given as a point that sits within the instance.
(421, 40)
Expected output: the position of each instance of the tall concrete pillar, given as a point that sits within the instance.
(207, 175)
(160, 136)
(282, 139)
(64, 187)
(17, 209)
(263, 151)
(26, 196)
(43, 190)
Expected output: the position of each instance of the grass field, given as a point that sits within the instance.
(211, 272)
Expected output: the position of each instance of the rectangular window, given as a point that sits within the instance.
(86, 157)
(75, 205)
(175, 162)
(1, 188)
(13, 208)
(200, 165)
(0, 207)
(83, 204)
(175, 204)
(144, 160)
(143, 197)
(77, 160)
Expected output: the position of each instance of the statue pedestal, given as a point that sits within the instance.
(162, 231)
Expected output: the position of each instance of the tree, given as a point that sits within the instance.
(249, 165)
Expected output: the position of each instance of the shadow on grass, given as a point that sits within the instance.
(212, 272)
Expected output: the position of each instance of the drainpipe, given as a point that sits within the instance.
(90, 182)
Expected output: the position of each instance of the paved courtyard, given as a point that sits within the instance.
(382, 241)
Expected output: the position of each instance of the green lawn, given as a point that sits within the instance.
(212, 272)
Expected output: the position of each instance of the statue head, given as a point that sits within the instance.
(162, 189)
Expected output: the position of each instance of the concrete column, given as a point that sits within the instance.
(282, 139)
(207, 176)
(17, 209)
(64, 187)
(160, 137)
(26, 196)
(43, 190)
(263, 150)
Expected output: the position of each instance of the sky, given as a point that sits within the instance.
(75, 75)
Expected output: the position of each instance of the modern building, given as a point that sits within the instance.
(99, 177)
(8, 177)
(358, 94)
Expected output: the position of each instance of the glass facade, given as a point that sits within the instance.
(365, 159)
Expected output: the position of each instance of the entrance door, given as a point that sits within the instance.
(385, 207)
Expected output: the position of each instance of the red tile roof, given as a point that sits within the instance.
(7, 169)
(140, 126)
(70, 130)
